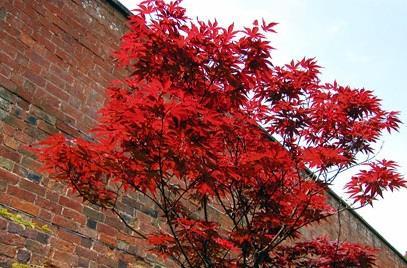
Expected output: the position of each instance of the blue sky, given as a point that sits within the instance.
(361, 43)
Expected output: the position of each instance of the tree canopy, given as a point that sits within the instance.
(203, 120)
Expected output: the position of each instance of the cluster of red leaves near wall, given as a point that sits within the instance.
(184, 130)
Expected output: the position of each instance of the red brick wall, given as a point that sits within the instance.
(55, 61)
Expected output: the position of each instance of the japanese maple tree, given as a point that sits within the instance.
(205, 122)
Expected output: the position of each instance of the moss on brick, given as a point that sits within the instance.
(17, 218)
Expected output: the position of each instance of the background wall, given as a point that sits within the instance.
(55, 61)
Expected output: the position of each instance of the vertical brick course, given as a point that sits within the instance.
(55, 61)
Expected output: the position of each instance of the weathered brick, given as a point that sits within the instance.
(86, 242)
(36, 247)
(93, 214)
(3, 13)
(15, 228)
(6, 163)
(83, 262)
(42, 238)
(50, 119)
(23, 256)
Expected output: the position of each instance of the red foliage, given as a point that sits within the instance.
(183, 130)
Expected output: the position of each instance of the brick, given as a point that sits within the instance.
(110, 240)
(86, 242)
(65, 128)
(7, 250)
(45, 204)
(35, 78)
(14, 121)
(30, 163)
(6, 163)
(64, 222)
(33, 176)
(109, 230)
(74, 215)
(9, 154)
(57, 243)
(3, 224)
(57, 91)
(11, 239)
(52, 196)
(70, 203)
(45, 215)
(3, 114)
(26, 39)
(23, 256)
(36, 247)
(25, 206)
(42, 238)
(11, 142)
(91, 224)
(50, 119)
(22, 194)
(65, 257)
(86, 253)
(32, 120)
(5, 106)
(69, 236)
(93, 214)
(48, 128)
(33, 187)
(122, 264)
(3, 13)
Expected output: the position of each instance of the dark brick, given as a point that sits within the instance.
(3, 13)
(4, 105)
(15, 228)
(23, 256)
(33, 176)
(124, 208)
(149, 211)
(32, 120)
(7, 95)
(42, 238)
(36, 247)
(122, 264)
(86, 242)
(3, 114)
(17, 111)
(93, 214)
(43, 115)
(83, 262)
(91, 223)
